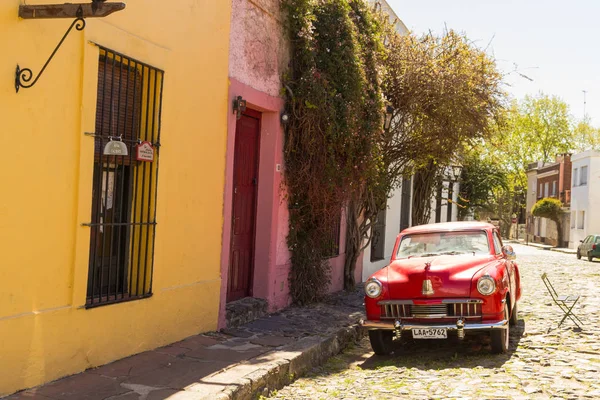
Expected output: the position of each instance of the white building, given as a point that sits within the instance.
(585, 196)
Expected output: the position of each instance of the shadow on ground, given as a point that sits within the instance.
(474, 351)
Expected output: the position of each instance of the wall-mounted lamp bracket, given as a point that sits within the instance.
(239, 106)
(78, 11)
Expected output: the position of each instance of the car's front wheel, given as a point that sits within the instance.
(500, 337)
(578, 255)
(381, 342)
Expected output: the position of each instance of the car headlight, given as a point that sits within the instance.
(486, 285)
(373, 288)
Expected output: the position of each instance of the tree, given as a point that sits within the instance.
(585, 136)
(534, 129)
(444, 92)
(481, 179)
(552, 209)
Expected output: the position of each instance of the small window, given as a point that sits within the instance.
(541, 191)
(546, 189)
(580, 219)
(497, 243)
(583, 176)
(378, 237)
(597, 241)
(554, 189)
(123, 215)
(575, 176)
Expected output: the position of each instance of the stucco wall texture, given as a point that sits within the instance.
(45, 331)
(259, 51)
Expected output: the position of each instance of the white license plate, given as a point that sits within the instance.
(430, 333)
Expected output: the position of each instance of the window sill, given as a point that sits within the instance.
(118, 300)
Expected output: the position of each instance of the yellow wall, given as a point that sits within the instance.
(46, 179)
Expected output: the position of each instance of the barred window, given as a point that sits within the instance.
(124, 189)
(332, 242)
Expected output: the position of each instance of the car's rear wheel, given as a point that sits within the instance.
(500, 337)
(514, 316)
(590, 258)
(578, 255)
(381, 342)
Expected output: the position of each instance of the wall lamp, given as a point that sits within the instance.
(95, 9)
(239, 106)
(285, 118)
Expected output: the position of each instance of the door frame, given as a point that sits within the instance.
(257, 115)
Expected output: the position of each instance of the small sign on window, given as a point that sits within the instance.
(145, 152)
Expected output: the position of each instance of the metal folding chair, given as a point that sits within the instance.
(564, 302)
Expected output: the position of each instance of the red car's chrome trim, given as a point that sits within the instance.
(389, 325)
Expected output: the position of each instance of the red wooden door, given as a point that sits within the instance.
(245, 184)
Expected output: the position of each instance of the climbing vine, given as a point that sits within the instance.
(336, 106)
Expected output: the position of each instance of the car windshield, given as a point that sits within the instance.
(443, 243)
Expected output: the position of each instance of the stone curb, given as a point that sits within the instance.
(544, 247)
(279, 368)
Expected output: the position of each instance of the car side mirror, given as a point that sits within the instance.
(581, 241)
(508, 252)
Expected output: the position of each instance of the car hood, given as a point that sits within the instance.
(450, 276)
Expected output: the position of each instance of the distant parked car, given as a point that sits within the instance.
(589, 247)
(450, 277)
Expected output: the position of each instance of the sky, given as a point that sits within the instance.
(555, 43)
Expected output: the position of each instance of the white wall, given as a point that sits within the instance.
(531, 189)
(585, 198)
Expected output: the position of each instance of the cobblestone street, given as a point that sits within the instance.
(542, 362)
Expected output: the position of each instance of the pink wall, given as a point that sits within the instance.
(259, 55)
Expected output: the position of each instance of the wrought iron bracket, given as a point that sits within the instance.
(24, 76)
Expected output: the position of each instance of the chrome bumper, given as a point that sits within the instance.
(460, 326)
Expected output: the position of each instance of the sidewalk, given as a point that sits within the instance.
(241, 363)
(544, 246)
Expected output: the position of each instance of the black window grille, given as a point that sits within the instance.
(332, 243)
(378, 237)
(124, 191)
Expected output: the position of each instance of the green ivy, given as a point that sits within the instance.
(336, 108)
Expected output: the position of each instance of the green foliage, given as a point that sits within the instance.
(548, 208)
(552, 209)
(585, 136)
(535, 129)
(330, 148)
(482, 177)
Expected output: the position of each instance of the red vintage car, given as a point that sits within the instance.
(444, 278)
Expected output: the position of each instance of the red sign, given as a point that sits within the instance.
(514, 220)
(145, 152)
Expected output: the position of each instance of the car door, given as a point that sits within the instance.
(587, 244)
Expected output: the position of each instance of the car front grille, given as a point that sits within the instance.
(466, 309)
